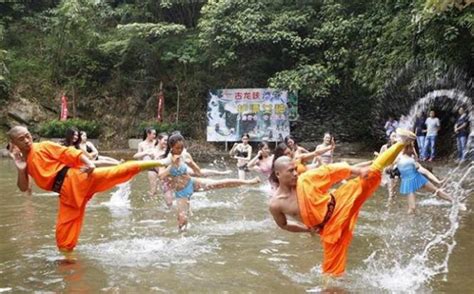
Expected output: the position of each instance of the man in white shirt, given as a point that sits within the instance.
(432, 128)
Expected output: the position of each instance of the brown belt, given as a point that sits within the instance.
(329, 212)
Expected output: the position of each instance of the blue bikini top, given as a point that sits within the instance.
(176, 171)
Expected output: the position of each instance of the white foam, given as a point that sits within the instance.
(416, 250)
(120, 197)
(140, 252)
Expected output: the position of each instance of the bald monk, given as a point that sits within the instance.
(333, 215)
(69, 172)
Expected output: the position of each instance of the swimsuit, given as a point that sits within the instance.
(243, 167)
(411, 179)
(187, 191)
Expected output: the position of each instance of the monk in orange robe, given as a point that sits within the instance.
(307, 198)
(69, 172)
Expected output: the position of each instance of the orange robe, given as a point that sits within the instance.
(46, 159)
(313, 198)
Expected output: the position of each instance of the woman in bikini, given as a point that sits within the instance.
(146, 151)
(183, 184)
(243, 153)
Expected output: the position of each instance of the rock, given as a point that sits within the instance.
(25, 111)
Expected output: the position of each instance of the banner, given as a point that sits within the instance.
(64, 113)
(161, 101)
(262, 113)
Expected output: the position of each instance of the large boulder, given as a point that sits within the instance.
(28, 112)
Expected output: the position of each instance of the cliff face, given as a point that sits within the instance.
(119, 117)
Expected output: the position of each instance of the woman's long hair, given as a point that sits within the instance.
(172, 140)
(69, 138)
(147, 131)
(260, 146)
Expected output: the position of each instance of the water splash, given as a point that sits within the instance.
(120, 197)
(157, 251)
(404, 266)
(423, 103)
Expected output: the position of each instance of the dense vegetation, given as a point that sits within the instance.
(111, 55)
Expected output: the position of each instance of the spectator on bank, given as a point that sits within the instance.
(461, 129)
(420, 131)
(432, 128)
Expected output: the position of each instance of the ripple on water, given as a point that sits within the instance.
(141, 252)
(231, 228)
(201, 202)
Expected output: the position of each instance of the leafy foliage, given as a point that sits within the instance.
(57, 128)
(339, 55)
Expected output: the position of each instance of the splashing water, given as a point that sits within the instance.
(120, 197)
(416, 251)
(141, 252)
(453, 94)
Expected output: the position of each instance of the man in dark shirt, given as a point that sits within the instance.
(461, 128)
(420, 131)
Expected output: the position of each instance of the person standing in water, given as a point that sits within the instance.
(328, 156)
(146, 151)
(263, 161)
(420, 131)
(68, 172)
(390, 175)
(183, 184)
(297, 150)
(461, 129)
(432, 128)
(412, 178)
(333, 215)
(160, 150)
(243, 153)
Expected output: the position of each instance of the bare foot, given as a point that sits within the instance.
(411, 211)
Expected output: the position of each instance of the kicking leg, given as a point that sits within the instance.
(105, 178)
(432, 188)
(213, 172)
(429, 175)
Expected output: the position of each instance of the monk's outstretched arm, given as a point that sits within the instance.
(23, 180)
(281, 221)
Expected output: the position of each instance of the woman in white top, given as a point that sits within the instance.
(243, 153)
(328, 156)
(146, 151)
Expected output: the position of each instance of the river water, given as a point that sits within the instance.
(130, 243)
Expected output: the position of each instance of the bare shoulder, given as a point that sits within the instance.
(275, 204)
(277, 200)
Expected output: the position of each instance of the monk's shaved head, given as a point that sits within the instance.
(281, 163)
(15, 131)
(284, 170)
